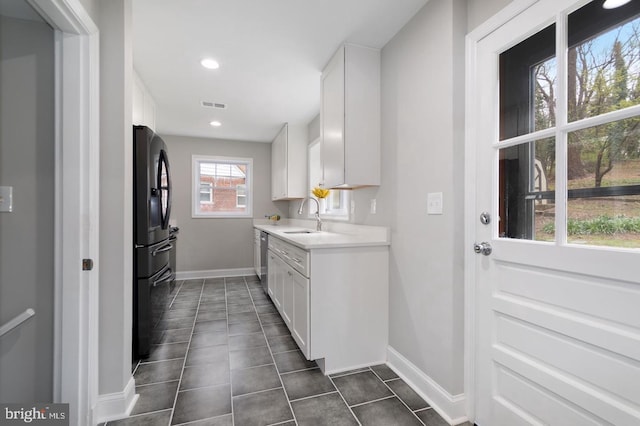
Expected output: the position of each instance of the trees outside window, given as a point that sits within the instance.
(594, 123)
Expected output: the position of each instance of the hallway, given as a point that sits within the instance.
(223, 356)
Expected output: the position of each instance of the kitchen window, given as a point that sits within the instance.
(335, 205)
(222, 187)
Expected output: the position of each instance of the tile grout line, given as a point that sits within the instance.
(139, 361)
(345, 401)
(398, 396)
(157, 383)
(350, 373)
(184, 363)
(260, 391)
(176, 295)
(155, 361)
(226, 307)
(360, 404)
(286, 395)
(296, 371)
(200, 420)
(314, 396)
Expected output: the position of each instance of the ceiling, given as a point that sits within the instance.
(271, 53)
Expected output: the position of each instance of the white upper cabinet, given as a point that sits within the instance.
(289, 163)
(350, 118)
(144, 106)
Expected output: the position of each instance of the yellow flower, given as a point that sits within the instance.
(320, 192)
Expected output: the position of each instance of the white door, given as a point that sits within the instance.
(556, 304)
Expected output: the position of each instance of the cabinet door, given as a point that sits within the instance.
(279, 165)
(287, 296)
(332, 116)
(300, 320)
(271, 275)
(279, 278)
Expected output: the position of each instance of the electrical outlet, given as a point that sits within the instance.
(373, 206)
(6, 199)
(434, 203)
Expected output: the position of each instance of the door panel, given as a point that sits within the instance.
(29, 258)
(557, 324)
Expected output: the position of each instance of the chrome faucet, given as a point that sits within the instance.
(317, 214)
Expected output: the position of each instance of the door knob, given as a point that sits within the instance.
(483, 248)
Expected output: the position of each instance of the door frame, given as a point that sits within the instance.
(471, 218)
(76, 328)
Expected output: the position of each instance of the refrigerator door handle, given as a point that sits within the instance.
(162, 250)
(164, 277)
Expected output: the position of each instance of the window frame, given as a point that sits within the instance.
(196, 160)
(210, 187)
(238, 196)
(328, 213)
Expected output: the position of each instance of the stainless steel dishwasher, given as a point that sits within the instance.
(264, 246)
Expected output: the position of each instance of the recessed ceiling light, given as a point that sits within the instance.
(210, 63)
(612, 4)
(216, 123)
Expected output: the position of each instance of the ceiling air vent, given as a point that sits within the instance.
(209, 104)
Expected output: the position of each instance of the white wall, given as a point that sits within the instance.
(91, 7)
(479, 11)
(116, 226)
(423, 151)
(215, 243)
(26, 235)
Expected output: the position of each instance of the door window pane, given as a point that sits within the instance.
(603, 72)
(527, 191)
(528, 85)
(604, 185)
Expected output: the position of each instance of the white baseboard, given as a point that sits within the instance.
(215, 273)
(118, 405)
(450, 407)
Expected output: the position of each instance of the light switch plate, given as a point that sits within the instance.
(434, 203)
(6, 198)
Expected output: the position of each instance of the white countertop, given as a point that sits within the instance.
(337, 235)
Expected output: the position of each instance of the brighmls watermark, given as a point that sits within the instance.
(35, 414)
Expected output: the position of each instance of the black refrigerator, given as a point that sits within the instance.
(152, 274)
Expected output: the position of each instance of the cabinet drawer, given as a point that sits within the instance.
(296, 257)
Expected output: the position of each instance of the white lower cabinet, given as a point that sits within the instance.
(277, 273)
(271, 275)
(300, 303)
(287, 296)
(334, 301)
(290, 291)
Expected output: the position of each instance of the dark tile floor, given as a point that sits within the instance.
(223, 356)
